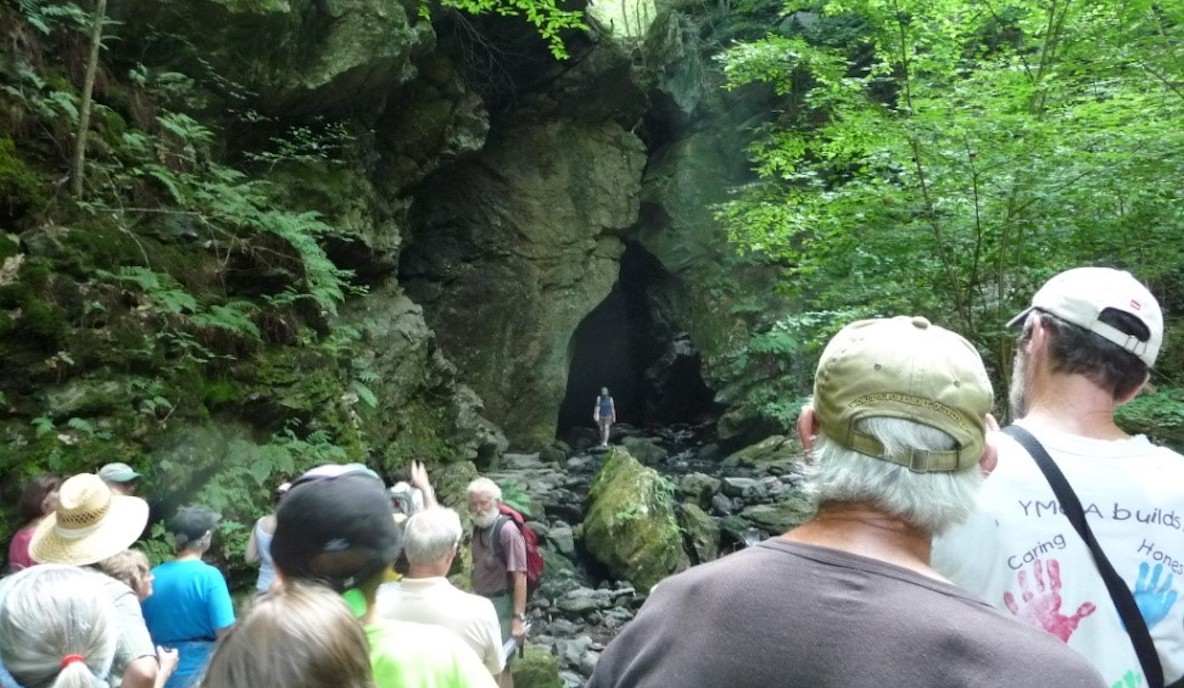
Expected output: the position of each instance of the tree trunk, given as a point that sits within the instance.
(88, 85)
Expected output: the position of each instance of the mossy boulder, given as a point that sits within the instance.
(537, 668)
(780, 517)
(702, 532)
(631, 525)
(776, 454)
(644, 450)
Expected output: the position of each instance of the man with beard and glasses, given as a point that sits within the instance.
(1087, 346)
(499, 568)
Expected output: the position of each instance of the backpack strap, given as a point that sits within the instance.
(1128, 610)
(495, 535)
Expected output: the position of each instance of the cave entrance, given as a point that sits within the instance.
(631, 344)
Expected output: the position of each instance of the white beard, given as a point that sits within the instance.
(486, 518)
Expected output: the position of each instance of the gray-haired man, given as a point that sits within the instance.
(897, 435)
(424, 595)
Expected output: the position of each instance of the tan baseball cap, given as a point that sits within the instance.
(904, 367)
(1081, 295)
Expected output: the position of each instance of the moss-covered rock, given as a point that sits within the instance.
(319, 56)
(702, 532)
(631, 525)
(777, 518)
(537, 668)
(776, 454)
(644, 450)
(20, 187)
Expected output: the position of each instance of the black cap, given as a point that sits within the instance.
(336, 525)
(192, 522)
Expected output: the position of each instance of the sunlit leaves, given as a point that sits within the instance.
(964, 149)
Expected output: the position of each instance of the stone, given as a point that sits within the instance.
(526, 237)
(320, 57)
(776, 454)
(644, 450)
(699, 487)
(580, 600)
(631, 526)
(702, 533)
(588, 662)
(552, 454)
(738, 487)
(564, 540)
(722, 505)
(780, 517)
(537, 668)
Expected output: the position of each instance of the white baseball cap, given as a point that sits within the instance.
(1079, 296)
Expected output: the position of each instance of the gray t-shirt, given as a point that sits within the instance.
(789, 614)
(134, 641)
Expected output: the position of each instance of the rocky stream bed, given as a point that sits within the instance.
(611, 523)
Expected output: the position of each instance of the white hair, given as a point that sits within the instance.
(933, 501)
(51, 611)
(484, 486)
(430, 535)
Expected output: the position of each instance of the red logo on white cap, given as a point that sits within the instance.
(1135, 305)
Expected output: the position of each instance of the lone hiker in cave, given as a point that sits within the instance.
(897, 440)
(605, 414)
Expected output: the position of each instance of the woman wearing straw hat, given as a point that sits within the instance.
(90, 525)
(190, 607)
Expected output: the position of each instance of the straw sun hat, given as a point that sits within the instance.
(90, 524)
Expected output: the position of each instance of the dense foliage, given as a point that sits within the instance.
(944, 157)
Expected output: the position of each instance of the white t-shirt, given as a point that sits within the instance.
(1023, 556)
(437, 602)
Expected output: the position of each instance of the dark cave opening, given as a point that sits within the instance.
(630, 344)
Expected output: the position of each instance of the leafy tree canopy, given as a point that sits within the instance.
(944, 157)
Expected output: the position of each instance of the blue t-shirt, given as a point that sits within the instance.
(189, 604)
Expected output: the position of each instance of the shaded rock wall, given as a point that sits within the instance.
(512, 248)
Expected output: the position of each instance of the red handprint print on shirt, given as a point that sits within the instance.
(1042, 607)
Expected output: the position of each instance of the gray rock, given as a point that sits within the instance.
(588, 662)
(644, 450)
(738, 487)
(699, 488)
(722, 505)
(566, 627)
(564, 540)
(780, 517)
(581, 600)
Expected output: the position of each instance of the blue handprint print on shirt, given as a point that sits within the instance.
(1154, 600)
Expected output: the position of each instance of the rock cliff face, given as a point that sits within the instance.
(482, 201)
(512, 248)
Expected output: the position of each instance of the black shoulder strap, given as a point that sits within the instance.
(495, 534)
(1128, 610)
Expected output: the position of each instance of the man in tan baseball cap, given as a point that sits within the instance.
(896, 436)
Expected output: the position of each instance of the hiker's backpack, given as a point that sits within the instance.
(534, 558)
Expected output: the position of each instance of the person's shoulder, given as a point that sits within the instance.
(509, 532)
(1032, 649)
